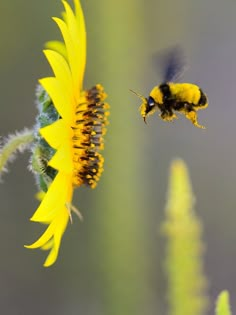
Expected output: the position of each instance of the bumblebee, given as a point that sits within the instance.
(170, 97)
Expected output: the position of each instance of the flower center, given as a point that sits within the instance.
(89, 129)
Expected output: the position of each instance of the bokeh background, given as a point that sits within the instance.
(112, 263)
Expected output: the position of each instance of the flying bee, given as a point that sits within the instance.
(170, 97)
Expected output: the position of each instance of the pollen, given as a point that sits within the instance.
(90, 127)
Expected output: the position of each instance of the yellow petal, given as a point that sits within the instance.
(61, 69)
(61, 98)
(51, 238)
(61, 226)
(58, 194)
(74, 56)
(62, 160)
(49, 245)
(82, 35)
(71, 22)
(57, 134)
(44, 238)
(76, 27)
(57, 46)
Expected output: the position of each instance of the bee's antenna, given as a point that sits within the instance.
(139, 95)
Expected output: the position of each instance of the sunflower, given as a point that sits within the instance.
(69, 131)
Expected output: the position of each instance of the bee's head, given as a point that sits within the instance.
(148, 107)
(203, 102)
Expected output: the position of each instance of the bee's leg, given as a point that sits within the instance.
(168, 115)
(191, 114)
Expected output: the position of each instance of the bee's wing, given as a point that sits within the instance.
(172, 62)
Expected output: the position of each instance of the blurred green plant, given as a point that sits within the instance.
(187, 283)
(121, 223)
(223, 304)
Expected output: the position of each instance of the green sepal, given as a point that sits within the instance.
(41, 151)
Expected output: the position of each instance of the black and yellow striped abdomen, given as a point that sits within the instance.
(179, 93)
(188, 93)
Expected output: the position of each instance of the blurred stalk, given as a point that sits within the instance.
(184, 252)
(223, 304)
(121, 223)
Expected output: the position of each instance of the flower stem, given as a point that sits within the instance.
(19, 141)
